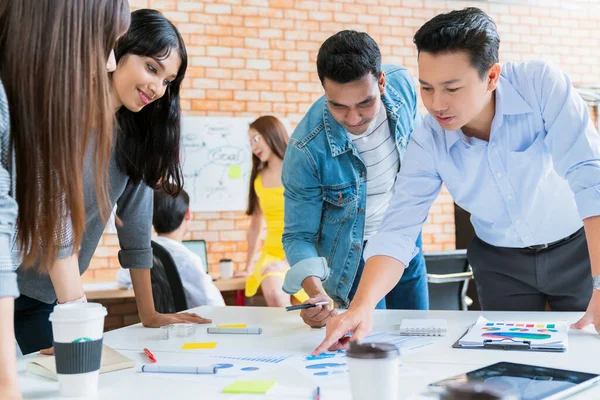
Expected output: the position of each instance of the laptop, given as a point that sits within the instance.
(198, 247)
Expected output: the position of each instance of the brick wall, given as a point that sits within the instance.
(253, 57)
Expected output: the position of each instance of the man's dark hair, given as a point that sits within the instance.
(169, 210)
(469, 30)
(348, 56)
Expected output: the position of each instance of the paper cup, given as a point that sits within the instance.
(77, 330)
(373, 371)
(226, 268)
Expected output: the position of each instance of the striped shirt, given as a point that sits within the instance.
(377, 148)
(8, 206)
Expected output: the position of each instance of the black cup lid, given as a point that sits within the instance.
(372, 350)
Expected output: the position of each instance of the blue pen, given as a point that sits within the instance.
(178, 369)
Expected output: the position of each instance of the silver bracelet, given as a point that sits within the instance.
(82, 299)
(596, 282)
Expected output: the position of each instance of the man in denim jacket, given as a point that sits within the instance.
(339, 171)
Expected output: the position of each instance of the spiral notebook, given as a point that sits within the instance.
(423, 327)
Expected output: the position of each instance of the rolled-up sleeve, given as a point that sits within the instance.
(303, 207)
(417, 186)
(571, 137)
(134, 210)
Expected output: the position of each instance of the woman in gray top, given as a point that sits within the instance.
(41, 136)
(151, 63)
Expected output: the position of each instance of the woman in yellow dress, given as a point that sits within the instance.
(268, 141)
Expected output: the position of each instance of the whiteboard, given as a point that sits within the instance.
(217, 160)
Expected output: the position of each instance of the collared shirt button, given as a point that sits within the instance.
(362, 174)
(361, 210)
(518, 222)
(345, 281)
(499, 174)
(509, 197)
(356, 247)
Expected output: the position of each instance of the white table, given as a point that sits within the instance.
(284, 333)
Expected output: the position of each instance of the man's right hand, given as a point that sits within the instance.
(317, 317)
(357, 321)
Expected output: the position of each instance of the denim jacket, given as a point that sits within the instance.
(324, 178)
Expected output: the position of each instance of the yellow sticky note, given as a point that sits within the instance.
(240, 326)
(199, 345)
(251, 387)
(235, 172)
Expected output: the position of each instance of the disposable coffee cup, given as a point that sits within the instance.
(77, 330)
(373, 371)
(226, 268)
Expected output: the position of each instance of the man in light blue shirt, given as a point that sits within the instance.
(516, 148)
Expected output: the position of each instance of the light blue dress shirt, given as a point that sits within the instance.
(533, 183)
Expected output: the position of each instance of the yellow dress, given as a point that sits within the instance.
(271, 203)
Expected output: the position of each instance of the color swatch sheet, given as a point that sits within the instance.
(539, 335)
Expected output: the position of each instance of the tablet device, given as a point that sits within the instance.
(530, 382)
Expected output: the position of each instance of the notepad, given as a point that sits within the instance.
(112, 360)
(423, 327)
(250, 387)
(199, 345)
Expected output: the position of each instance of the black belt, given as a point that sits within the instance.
(546, 245)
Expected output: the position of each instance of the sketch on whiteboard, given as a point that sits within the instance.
(216, 160)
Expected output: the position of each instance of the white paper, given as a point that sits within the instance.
(406, 344)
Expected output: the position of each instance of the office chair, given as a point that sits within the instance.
(448, 275)
(167, 288)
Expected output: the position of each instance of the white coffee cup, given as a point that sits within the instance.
(373, 371)
(226, 268)
(78, 324)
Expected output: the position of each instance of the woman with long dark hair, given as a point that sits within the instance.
(151, 63)
(268, 140)
(48, 48)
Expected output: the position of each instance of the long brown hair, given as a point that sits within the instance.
(275, 135)
(53, 56)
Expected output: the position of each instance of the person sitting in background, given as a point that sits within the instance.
(171, 220)
(268, 141)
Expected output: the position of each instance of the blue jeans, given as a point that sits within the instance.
(33, 329)
(410, 293)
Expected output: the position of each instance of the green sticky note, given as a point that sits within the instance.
(235, 172)
(199, 345)
(251, 387)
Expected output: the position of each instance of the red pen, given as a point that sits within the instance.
(150, 355)
(318, 395)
